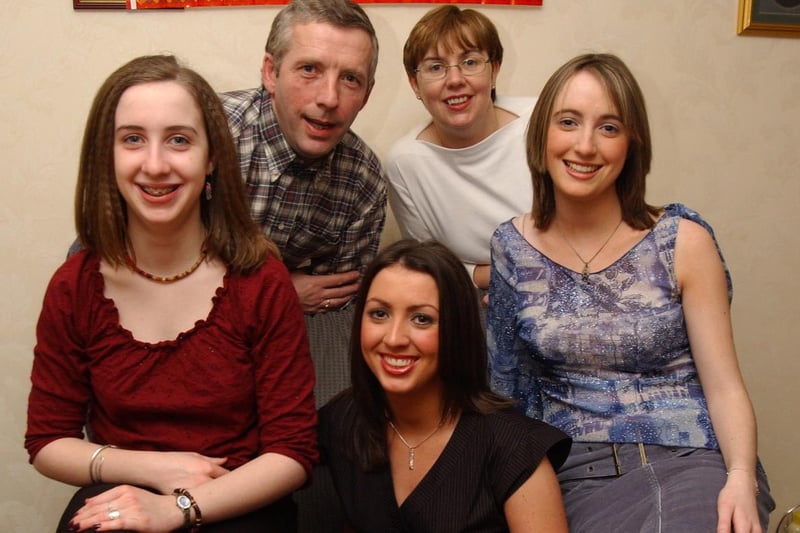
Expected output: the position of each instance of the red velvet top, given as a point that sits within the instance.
(238, 384)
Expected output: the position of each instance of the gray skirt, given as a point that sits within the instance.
(647, 488)
(329, 338)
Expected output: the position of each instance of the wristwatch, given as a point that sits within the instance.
(185, 505)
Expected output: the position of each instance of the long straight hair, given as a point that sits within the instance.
(626, 95)
(462, 347)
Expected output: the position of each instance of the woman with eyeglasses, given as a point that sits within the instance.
(456, 176)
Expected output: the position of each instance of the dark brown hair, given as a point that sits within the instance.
(101, 211)
(629, 101)
(462, 346)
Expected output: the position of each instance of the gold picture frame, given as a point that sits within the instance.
(769, 18)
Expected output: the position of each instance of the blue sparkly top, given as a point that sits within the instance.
(606, 360)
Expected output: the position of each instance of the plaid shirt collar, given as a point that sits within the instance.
(279, 154)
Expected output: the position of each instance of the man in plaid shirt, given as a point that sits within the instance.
(316, 188)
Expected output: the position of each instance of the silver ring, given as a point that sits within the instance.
(113, 515)
(326, 304)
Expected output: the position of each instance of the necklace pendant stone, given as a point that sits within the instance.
(585, 273)
(411, 458)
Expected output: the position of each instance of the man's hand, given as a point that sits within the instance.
(321, 293)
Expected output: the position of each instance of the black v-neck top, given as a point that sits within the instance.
(486, 460)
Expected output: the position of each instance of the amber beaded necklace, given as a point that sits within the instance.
(167, 279)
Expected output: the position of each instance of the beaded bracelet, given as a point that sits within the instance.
(96, 463)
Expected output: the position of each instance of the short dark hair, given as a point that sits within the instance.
(462, 345)
(624, 91)
(452, 26)
(100, 210)
(340, 13)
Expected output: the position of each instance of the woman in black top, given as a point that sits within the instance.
(419, 443)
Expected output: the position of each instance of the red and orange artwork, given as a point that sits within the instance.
(179, 4)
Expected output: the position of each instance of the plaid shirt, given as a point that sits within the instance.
(326, 217)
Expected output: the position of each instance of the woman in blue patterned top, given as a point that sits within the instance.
(610, 319)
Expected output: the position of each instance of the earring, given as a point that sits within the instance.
(209, 194)
(419, 97)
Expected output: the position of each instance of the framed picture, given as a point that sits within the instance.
(769, 18)
(98, 4)
(179, 4)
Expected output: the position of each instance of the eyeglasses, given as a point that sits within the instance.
(436, 70)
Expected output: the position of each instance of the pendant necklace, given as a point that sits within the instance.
(411, 449)
(585, 272)
(166, 279)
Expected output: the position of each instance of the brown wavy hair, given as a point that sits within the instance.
(100, 210)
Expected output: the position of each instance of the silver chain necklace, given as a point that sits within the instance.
(585, 272)
(411, 449)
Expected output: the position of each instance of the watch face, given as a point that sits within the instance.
(183, 501)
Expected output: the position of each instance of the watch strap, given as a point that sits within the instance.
(193, 526)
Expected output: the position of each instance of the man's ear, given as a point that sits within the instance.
(268, 73)
(366, 95)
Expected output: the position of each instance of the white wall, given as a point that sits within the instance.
(724, 113)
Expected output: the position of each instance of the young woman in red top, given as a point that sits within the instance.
(175, 337)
